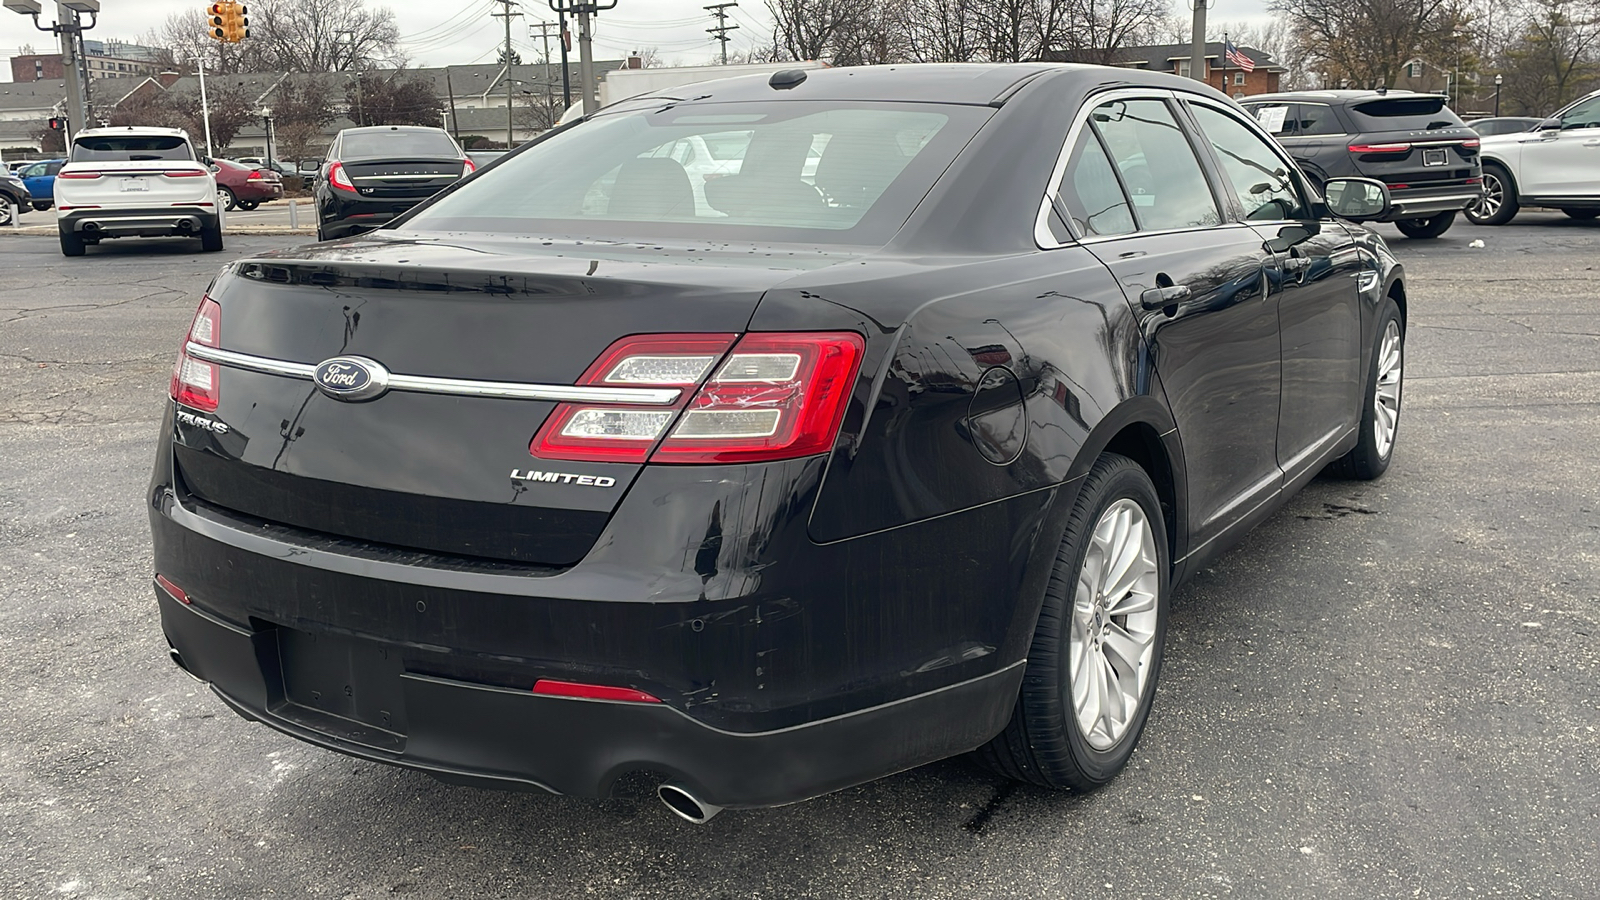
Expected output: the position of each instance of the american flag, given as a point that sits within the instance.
(1236, 57)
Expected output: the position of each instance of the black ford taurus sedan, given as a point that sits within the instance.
(885, 437)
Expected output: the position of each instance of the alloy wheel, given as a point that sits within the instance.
(1114, 617)
(1494, 194)
(8, 211)
(1386, 395)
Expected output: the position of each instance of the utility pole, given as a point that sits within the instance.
(511, 137)
(549, 85)
(719, 32)
(566, 70)
(1197, 45)
(583, 9)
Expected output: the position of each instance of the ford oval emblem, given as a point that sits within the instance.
(351, 378)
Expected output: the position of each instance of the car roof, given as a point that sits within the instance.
(1331, 97)
(132, 129)
(374, 129)
(980, 84)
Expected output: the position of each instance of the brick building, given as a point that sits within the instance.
(105, 59)
(1229, 79)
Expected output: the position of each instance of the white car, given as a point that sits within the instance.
(132, 181)
(1556, 165)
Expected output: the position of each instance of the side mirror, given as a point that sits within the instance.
(1550, 124)
(209, 162)
(1357, 199)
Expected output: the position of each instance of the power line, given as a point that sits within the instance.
(719, 32)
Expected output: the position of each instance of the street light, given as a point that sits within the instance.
(266, 122)
(68, 30)
(1498, 80)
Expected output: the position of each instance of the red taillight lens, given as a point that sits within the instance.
(590, 691)
(196, 383)
(1472, 144)
(256, 176)
(186, 173)
(339, 178)
(1380, 148)
(627, 433)
(176, 592)
(71, 175)
(467, 167)
(775, 396)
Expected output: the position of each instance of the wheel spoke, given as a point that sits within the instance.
(1128, 648)
(1114, 617)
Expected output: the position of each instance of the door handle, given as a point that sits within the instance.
(1162, 297)
(1296, 264)
(1593, 142)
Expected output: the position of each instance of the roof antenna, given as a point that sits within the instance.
(786, 79)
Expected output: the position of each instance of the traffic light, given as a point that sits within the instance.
(238, 23)
(217, 20)
(226, 21)
(58, 123)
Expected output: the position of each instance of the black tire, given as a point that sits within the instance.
(40, 206)
(1582, 215)
(1044, 742)
(71, 243)
(9, 210)
(1499, 204)
(1369, 459)
(248, 205)
(211, 238)
(1431, 227)
(322, 235)
(226, 200)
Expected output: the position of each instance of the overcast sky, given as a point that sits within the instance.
(458, 32)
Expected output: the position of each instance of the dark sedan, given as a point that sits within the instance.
(888, 443)
(376, 173)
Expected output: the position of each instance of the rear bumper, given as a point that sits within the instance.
(343, 215)
(498, 737)
(1422, 204)
(172, 221)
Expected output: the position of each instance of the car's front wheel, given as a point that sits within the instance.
(225, 199)
(1499, 203)
(1582, 215)
(1380, 412)
(9, 210)
(1430, 227)
(1097, 647)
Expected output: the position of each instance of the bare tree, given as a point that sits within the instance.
(1556, 57)
(1096, 31)
(396, 97)
(1366, 43)
(813, 29)
(185, 37)
(324, 35)
(301, 106)
(942, 30)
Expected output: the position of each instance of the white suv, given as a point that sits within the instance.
(144, 182)
(1556, 165)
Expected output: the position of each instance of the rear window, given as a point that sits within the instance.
(130, 149)
(397, 145)
(1404, 114)
(797, 170)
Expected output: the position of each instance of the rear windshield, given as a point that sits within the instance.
(795, 170)
(1404, 114)
(130, 149)
(397, 145)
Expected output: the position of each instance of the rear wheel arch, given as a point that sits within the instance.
(1142, 430)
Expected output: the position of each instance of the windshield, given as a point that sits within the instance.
(397, 145)
(1422, 113)
(791, 170)
(131, 149)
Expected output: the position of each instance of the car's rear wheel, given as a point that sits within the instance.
(211, 237)
(1096, 651)
(71, 243)
(1582, 215)
(9, 210)
(1380, 412)
(40, 206)
(1430, 227)
(1499, 203)
(225, 199)
(248, 205)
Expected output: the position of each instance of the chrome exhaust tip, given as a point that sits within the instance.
(177, 660)
(685, 805)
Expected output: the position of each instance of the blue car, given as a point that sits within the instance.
(40, 178)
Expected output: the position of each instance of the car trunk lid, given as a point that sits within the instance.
(402, 179)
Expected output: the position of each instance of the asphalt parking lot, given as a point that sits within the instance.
(1390, 690)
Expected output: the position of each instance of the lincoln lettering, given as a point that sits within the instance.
(563, 478)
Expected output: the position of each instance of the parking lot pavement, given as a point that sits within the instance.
(272, 217)
(1389, 690)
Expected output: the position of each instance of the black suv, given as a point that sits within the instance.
(376, 173)
(1412, 142)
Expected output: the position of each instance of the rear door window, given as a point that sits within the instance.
(1279, 119)
(1091, 193)
(1312, 119)
(1158, 166)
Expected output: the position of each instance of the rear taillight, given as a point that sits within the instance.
(591, 691)
(339, 178)
(467, 167)
(1472, 144)
(1380, 148)
(178, 593)
(196, 383)
(72, 175)
(186, 173)
(775, 396)
(256, 176)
